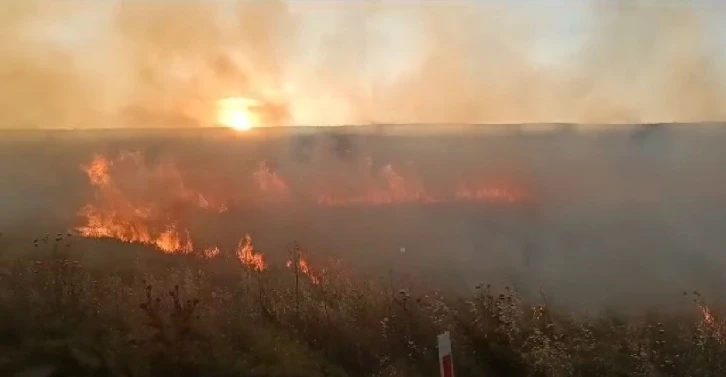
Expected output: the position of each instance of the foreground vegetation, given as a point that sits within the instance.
(190, 316)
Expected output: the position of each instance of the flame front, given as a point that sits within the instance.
(138, 203)
(501, 193)
(269, 183)
(248, 256)
(708, 317)
(303, 266)
(211, 252)
(134, 214)
(393, 189)
(97, 171)
(716, 327)
(388, 186)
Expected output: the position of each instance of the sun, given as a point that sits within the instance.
(237, 113)
(238, 119)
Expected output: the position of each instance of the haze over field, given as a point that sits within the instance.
(568, 211)
(101, 64)
(624, 218)
(322, 188)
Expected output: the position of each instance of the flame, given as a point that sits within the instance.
(268, 182)
(394, 189)
(204, 203)
(385, 186)
(501, 193)
(126, 208)
(172, 241)
(388, 187)
(237, 113)
(139, 202)
(211, 252)
(248, 256)
(114, 225)
(97, 171)
(717, 327)
(304, 267)
(708, 317)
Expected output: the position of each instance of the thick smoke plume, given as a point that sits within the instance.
(96, 64)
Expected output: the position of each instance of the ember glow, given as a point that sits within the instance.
(716, 326)
(707, 315)
(237, 113)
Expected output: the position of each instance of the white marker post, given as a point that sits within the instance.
(446, 365)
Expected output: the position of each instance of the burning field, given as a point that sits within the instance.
(140, 204)
(534, 209)
(360, 241)
(173, 206)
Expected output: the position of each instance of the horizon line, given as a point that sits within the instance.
(368, 125)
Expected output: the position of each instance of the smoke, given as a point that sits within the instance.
(90, 64)
(620, 219)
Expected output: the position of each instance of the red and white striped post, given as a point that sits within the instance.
(446, 365)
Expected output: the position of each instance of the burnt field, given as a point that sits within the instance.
(626, 216)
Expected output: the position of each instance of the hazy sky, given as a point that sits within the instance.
(335, 62)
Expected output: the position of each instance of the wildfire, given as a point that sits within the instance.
(138, 202)
(248, 256)
(172, 241)
(395, 189)
(211, 252)
(304, 267)
(204, 203)
(268, 182)
(489, 193)
(97, 171)
(716, 326)
(389, 187)
(708, 317)
(112, 225)
(129, 212)
(237, 113)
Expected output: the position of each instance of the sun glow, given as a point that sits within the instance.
(237, 113)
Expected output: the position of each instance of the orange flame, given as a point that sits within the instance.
(146, 204)
(304, 267)
(128, 213)
(211, 252)
(204, 204)
(489, 193)
(97, 171)
(397, 189)
(171, 241)
(268, 182)
(248, 256)
(111, 225)
(708, 317)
